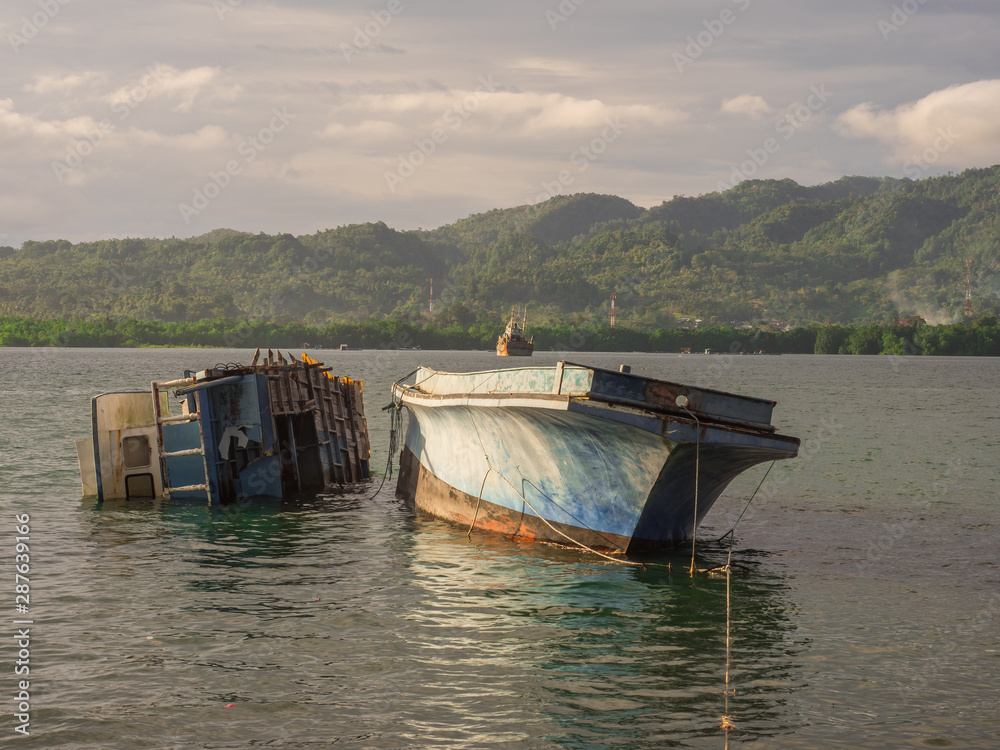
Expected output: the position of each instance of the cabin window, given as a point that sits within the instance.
(139, 485)
(136, 452)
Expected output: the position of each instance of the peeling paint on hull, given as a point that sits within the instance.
(436, 498)
(605, 474)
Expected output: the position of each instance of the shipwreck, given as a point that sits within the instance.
(228, 433)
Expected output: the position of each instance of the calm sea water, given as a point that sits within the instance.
(864, 612)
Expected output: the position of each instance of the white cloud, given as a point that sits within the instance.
(62, 84)
(747, 104)
(508, 113)
(968, 114)
(366, 130)
(15, 124)
(182, 86)
(554, 66)
(207, 138)
(556, 91)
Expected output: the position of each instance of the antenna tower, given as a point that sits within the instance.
(968, 287)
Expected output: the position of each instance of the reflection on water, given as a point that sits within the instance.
(340, 620)
(607, 655)
(413, 635)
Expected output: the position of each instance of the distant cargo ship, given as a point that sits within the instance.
(512, 342)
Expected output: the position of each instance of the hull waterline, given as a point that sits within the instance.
(537, 463)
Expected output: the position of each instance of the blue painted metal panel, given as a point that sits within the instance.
(183, 471)
(211, 442)
(261, 478)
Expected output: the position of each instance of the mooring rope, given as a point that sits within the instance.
(727, 720)
(747, 506)
(544, 520)
(395, 425)
(480, 500)
(697, 474)
(538, 515)
(395, 410)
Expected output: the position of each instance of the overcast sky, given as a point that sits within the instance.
(124, 118)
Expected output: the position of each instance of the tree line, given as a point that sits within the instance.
(980, 337)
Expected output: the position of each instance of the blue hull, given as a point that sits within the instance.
(530, 461)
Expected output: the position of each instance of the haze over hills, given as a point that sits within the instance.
(855, 250)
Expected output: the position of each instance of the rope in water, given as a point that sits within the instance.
(395, 410)
(395, 425)
(727, 720)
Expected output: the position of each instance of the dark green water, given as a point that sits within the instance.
(865, 614)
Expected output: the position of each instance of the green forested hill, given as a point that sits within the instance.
(857, 250)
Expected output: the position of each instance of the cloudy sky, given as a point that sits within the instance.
(125, 118)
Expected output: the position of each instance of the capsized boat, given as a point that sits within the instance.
(512, 342)
(236, 432)
(577, 454)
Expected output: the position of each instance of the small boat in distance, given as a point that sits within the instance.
(512, 342)
(577, 454)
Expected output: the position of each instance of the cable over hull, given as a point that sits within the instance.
(531, 461)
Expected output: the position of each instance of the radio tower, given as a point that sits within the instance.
(430, 310)
(612, 309)
(968, 287)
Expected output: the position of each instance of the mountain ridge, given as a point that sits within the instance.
(854, 250)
